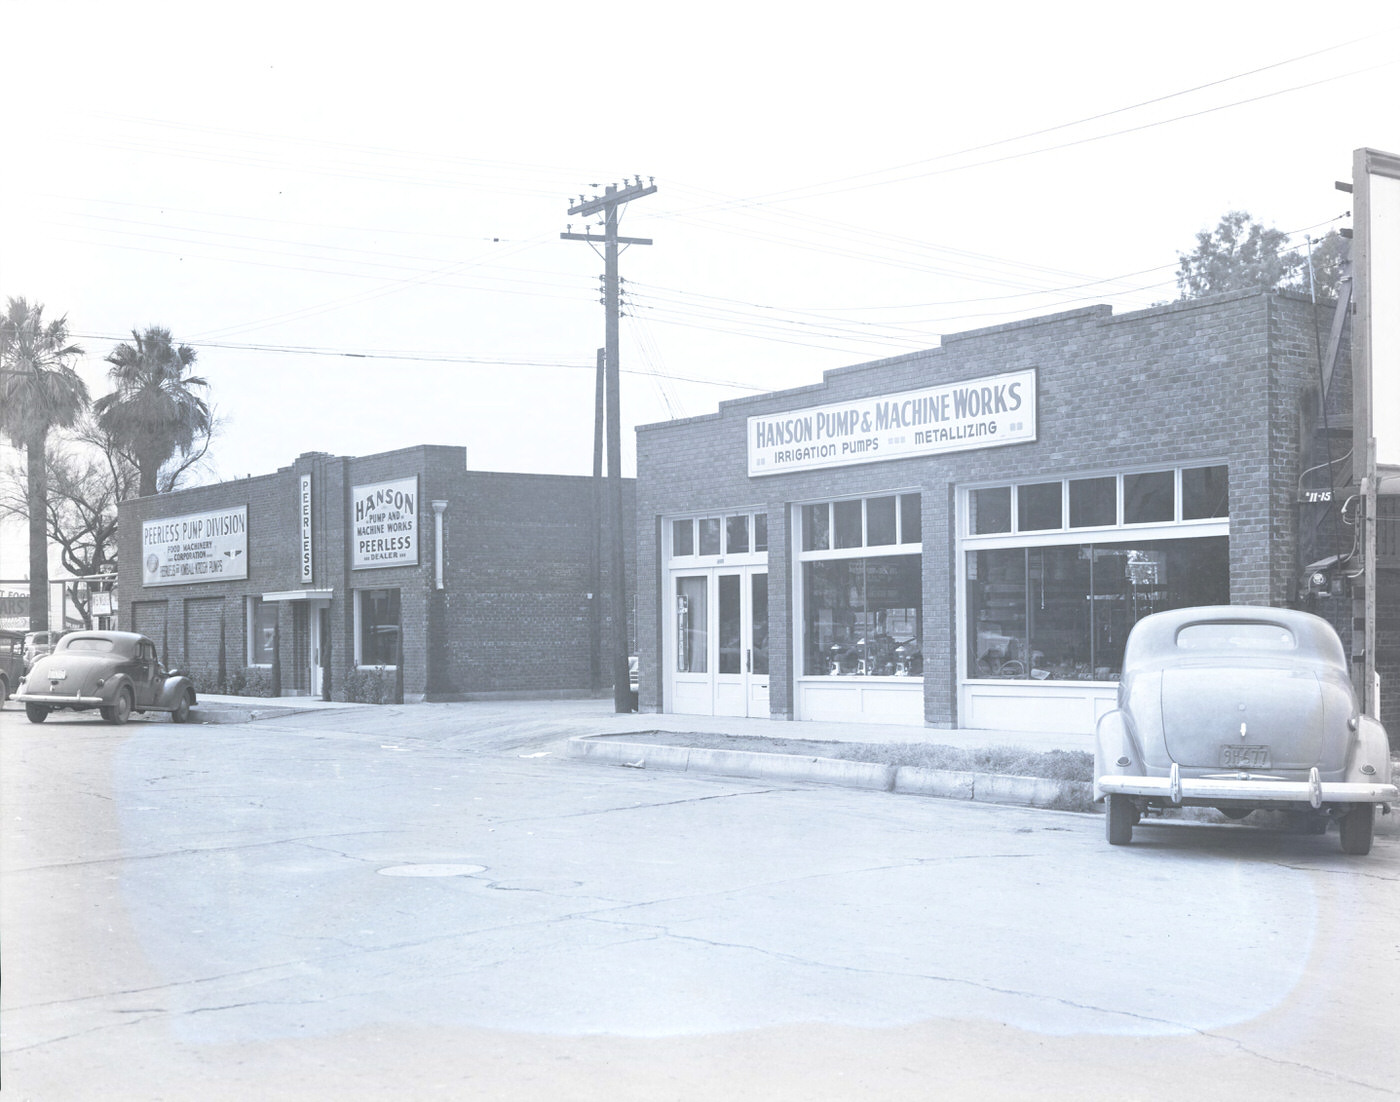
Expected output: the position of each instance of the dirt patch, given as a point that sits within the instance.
(1057, 765)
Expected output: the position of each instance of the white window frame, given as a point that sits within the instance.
(359, 657)
(250, 606)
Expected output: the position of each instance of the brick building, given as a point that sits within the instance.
(346, 568)
(962, 537)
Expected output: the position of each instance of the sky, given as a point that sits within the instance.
(353, 211)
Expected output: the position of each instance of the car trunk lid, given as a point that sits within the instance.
(1205, 710)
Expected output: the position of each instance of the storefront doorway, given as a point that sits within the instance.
(719, 642)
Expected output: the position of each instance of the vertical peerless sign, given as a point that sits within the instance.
(978, 413)
(304, 512)
(199, 547)
(384, 523)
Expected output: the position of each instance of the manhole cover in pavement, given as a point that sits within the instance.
(431, 870)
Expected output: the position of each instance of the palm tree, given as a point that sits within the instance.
(153, 412)
(39, 391)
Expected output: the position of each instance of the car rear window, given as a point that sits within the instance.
(1235, 636)
(96, 646)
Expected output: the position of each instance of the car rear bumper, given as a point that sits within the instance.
(1315, 792)
(54, 700)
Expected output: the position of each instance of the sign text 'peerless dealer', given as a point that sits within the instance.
(384, 516)
(978, 413)
(199, 547)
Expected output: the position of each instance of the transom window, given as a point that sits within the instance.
(719, 536)
(1174, 496)
(887, 521)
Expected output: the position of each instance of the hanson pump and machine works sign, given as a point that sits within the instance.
(978, 413)
(384, 522)
(199, 547)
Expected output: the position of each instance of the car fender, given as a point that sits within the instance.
(1370, 748)
(113, 687)
(1115, 741)
(172, 690)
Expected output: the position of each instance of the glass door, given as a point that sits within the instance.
(692, 689)
(741, 671)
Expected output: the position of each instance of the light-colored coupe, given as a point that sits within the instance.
(116, 672)
(1241, 708)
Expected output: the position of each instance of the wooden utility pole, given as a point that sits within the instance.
(607, 204)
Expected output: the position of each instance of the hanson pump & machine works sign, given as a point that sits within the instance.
(199, 547)
(384, 522)
(978, 413)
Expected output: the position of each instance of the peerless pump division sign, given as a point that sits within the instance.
(979, 413)
(200, 547)
(384, 519)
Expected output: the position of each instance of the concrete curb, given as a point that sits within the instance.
(908, 780)
(985, 787)
(235, 713)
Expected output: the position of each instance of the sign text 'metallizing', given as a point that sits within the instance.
(979, 413)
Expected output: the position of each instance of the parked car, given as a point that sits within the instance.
(116, 672)
(1240, 709)
(11, 661)
(39, 643)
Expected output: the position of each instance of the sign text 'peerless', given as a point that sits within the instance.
(979, 413)
(385, 524)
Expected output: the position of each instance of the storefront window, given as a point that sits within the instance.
(262, 631)
(1063, 613)
(736, 535)
(862, 612)
(1093, 502)
(863, 616)
(991, 511)
(378, 623)
(1149, 498)
(683, 538)
(709, 536)
(1038, 507)
(760, 532)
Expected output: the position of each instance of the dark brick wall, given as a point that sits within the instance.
(512, 616)
(1213, 380)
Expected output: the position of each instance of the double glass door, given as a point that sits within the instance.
(719, 641)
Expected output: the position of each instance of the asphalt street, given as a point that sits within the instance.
(435, 901)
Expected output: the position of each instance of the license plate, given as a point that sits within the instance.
(57, 675)
(1244, 757)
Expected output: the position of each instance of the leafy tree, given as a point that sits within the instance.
(1329, 254)
(88, 475)
(39, 392)
(1242, 254)
(154, 411)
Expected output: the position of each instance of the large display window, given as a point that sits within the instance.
(377, 628)
(1063, 613)
(862, 587)
(1058, 572)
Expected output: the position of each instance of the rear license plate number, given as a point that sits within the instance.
(1244, 757)
(57, 675)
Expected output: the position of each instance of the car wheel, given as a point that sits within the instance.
(1358, 828)
(4, 691)
(181, 712)
(37, 713)
(119, 712)
(1235, 813)
(1118, 820)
